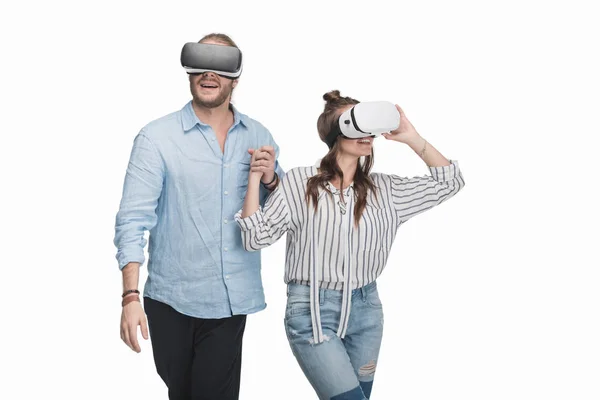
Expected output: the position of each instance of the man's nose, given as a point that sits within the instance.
(209, 74)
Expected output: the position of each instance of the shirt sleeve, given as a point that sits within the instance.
(267, 224)
(137, 211)
(412, 196)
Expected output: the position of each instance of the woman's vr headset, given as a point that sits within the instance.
(225, 61)
(368, 119)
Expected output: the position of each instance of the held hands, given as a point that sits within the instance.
(406, 132)
(262, 164)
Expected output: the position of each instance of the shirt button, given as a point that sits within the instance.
(226, 249)
(226, 165)
(226, 193)
(225, 221)
(226, 276)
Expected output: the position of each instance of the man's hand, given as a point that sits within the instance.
(132, 316)
(263, 161)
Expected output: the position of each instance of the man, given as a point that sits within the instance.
(187, 177)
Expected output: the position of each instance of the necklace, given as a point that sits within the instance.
(342, 207)
(341, 195)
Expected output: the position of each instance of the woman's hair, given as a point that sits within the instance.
(329, 167)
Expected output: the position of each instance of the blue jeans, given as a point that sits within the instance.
(338, 369)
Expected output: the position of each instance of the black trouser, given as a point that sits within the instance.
(198, 359)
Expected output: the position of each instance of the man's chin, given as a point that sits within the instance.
(210, 102)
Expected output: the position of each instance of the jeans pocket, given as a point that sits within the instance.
(297, 306)
(373, 300)
(298, 325)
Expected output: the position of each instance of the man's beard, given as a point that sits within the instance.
(224, 93)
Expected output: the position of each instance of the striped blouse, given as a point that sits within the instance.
(324, 249)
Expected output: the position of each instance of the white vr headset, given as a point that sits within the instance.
(198, 58)
(368, 119)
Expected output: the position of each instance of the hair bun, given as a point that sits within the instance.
(332, 96)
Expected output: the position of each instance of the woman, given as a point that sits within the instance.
(341, 221)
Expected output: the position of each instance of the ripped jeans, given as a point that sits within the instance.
(338, 369)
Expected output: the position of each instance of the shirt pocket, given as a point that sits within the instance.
(243, 169)
(376, 229)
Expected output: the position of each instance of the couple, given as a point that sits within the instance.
(206, 183)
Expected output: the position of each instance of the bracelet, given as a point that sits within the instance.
(422, 153)
(130, 299)
(275, 176)
(125, 293)
(272, 187)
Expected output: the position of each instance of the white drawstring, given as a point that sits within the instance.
(315, 278)
(315, 309)
(347, 285)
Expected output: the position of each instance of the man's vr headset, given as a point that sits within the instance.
(368, 119)
(225, 61)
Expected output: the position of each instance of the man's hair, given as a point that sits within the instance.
(222, 39)
(219, 37)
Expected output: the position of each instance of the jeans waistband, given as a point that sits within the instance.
(304, 290)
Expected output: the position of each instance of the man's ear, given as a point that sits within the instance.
(234, 84)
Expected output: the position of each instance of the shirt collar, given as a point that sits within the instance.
(330, 186)
(189, 119)
(336, 191)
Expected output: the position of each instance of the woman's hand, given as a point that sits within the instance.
(251, 201)
(405, 133)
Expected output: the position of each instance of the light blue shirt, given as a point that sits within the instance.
(185, 191)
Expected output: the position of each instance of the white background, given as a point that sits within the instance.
(493, 295)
